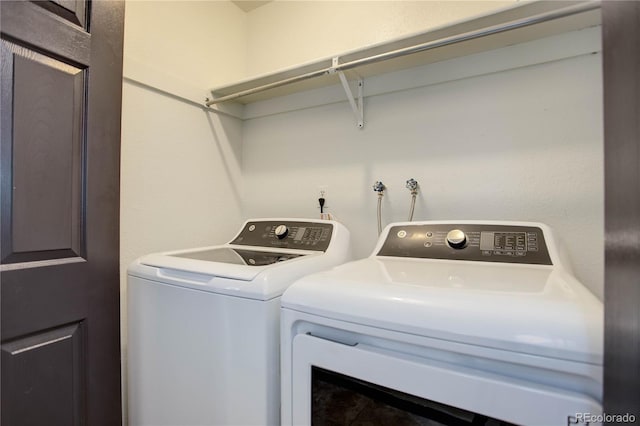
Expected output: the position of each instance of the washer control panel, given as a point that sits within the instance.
(286, 234)
(487, 243)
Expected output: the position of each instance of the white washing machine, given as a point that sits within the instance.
(449, 322)
(203, 324)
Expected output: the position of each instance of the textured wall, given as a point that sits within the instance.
(202, 43)
(520, 144)
(281, 34)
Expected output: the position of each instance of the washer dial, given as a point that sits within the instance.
(281, 231)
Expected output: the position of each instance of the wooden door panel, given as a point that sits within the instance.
(44, 140)
(38, 364)
(29, 306)
(72, 10)
(62, 39)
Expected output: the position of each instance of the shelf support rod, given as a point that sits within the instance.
(357, 105)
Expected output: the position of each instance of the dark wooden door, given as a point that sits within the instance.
(59, 158)
(621, 77)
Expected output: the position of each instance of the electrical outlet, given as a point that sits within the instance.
(322, 191)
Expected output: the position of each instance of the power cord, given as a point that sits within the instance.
(321, 202)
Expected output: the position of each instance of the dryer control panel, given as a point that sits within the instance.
(286, 234)
(486, 243)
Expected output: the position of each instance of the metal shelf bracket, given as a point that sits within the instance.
(357, 104)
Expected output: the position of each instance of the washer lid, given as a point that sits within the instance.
(222, 261)
(237, 256)
(530, 309)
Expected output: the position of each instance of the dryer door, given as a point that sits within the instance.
(372, 383)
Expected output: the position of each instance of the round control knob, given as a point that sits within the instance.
(281, 231)
(456, 239)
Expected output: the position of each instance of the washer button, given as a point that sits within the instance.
(402, 234)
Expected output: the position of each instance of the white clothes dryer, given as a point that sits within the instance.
(203, 324)
(449, 322)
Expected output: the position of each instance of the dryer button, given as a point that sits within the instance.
(456, 239)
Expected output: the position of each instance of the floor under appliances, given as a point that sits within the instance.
(203, 324)
(445, 323)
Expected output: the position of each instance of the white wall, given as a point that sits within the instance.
(180, 167)
(521, 143)
(180, 177)
(285, 33)
(201, 43)
(508, 135)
